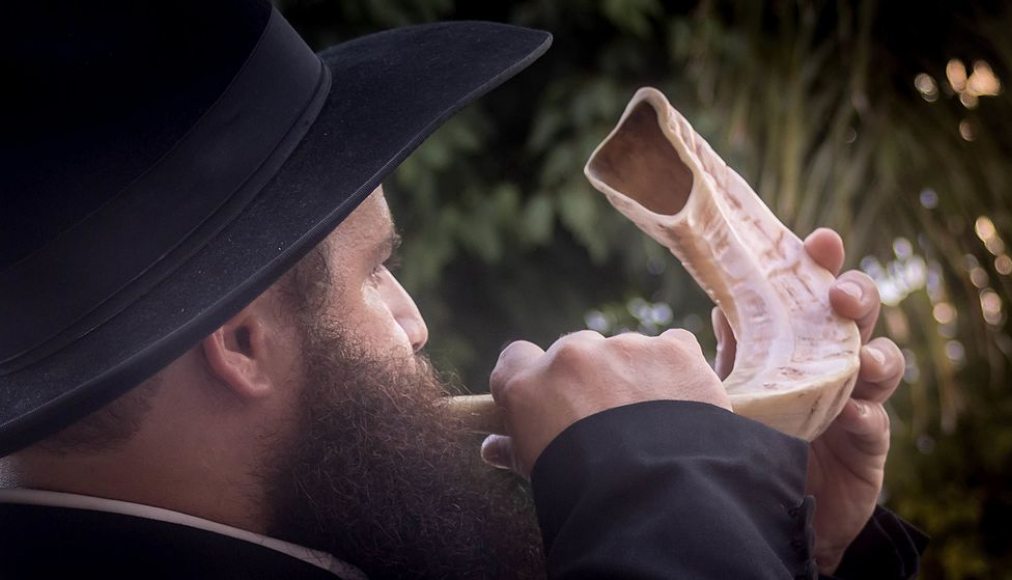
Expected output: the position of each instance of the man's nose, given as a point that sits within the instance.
(414, 327)
(408, 317)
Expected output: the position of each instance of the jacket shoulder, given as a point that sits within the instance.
(56, 542)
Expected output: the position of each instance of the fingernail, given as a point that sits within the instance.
(852, 289)
(492, 459)
(492, 453)
(876, 354)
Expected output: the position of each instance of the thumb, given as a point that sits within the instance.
(497, 451)
(727, 346)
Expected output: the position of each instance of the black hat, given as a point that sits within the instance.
(162, 163)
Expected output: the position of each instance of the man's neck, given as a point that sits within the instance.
(10, 472)
(7, 479)
(118, 478)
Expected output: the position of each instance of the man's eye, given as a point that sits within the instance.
(393, 263)
(390, 265)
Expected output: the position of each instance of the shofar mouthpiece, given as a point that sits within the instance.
(796, 360)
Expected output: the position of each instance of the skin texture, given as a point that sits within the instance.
(543, 392)
(231, 406)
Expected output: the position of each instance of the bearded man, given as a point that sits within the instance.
(207, 371)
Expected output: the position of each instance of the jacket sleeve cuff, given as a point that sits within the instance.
(888, 548)
(675, 482)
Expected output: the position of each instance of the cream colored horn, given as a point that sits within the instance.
(796, 361)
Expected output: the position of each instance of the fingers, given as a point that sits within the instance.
(882, 366)
(542, 393)
(516, 356)
(826, 247)
(864, 417)
(867, 425)
(855, 296)
(727, 346)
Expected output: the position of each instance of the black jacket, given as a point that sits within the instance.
(685, 490)
(656, 490)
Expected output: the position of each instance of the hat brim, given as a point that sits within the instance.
(389, 92)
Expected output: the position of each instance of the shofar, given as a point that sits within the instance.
(796, 360)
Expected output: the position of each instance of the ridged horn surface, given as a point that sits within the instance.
(796, 361)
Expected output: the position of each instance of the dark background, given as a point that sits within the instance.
(890, 122)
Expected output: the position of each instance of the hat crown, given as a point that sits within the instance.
(98, 94)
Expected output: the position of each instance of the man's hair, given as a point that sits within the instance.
(304, 289)
(110, 426)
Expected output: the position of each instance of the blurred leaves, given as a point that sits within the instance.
(815, 104)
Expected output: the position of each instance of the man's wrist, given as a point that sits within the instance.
(887, 548)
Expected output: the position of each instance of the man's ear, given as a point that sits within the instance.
(238, 355)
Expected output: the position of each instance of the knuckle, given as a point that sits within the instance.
(505, 392)
(497, 377)
(495, 385)
(511, 360)
(627, 339)
(581, 336)
(571, 353)
(683, 340)
(496, 381)
(680, 335)
(510, 348)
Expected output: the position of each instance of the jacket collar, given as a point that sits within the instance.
(40, 497)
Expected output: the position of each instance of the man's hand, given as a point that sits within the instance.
(847, 462)
(542, 393)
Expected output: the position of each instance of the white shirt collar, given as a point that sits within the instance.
(72, 500)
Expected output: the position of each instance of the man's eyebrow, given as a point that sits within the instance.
(389, 244)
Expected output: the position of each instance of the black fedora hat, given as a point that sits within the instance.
(164, 162)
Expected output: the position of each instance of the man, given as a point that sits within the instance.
(206, 369)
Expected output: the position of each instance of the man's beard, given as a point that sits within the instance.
(380, 475)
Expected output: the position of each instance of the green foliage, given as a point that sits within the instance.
(815, 104)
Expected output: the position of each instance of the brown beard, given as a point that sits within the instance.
(380, 475)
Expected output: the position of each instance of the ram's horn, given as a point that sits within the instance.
(796, 361)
